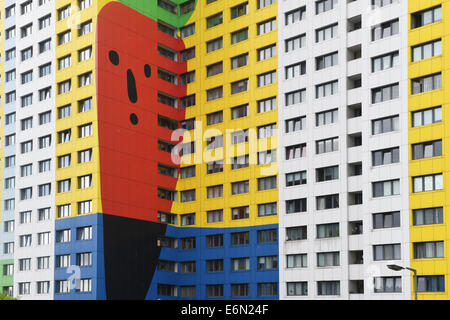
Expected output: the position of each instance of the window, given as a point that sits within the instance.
(84, 4)
(84, 28)
(45, 142)
(427, 149)
(294, 16)
(385, 156)
(64, 161)
(239, 112)
(386, 252)
(239, 162)
(26, 147)
(44, 189)
(387, 284)
(296, 205)
(295, 97)
(10, 11)
(43, 263)
(24, 264)
(239, 61)
(168, 53)
(64, 12)
(431, 283)
(187, 219)
(64, 185)
(185, 55)
(385, 93)
(84, 285)
(296, 233)
(239, 36)
(25, 217)
(267, 52)
(214, 118)
(44, 22)
(327, 145)
(64, 37)
(426, 50)
(85, 79)
(326, 61)
(214, 142)
(240, 213)
(214, 290)
(167, 29)
(84, 105)
(26, 30)
(384, 125)
(327, 33)
(267, 78)
(427, 83)
(45, 94)
(10, 33)
(266, 157)
(240, 264)
(45, 117)
(240, 187)
(385, 30)
(427, 183)
(24, 288)
(10, 140)
(295, 43)
(325, 5)
(214, 20)
(239, 86)
(382, 3)
(215, 93)
(326, 117)
(214, 45)
(43, 238)
(295, 178)
(84, 54)
(426, 116)
(296, 151)
(187, 195)
(25, 240)
(85, 130)
(239, 10)
(187, 172)
(214, 69)
(428, 216)
(85, 181)
(10, 97)
(84, 233)
(240, 238)
(326, 89)
(295, 70)
(64, 136)
(240, 290)
(269, 289)
(10, 161)
(85, 207)
(386, 188)
(297, 288)
(329, 230)
(240, 136)
(45, 45)
(8, 247)
(63, 236)
(214, 241)
(187, 78)
(385, 61)
(43, 214)
(327, 202)
(266, 26)
(84, 259)
(64, 86)
(64, 210)
(8, 226)
(267, 183)
(26, 170)
(187, 30)
(425, 17)
(428, 250)
(267, 131)
(328, 259)
(214, 216)
(64, 62)
(267, 209)
(386, 220)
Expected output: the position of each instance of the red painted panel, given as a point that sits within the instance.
(128, 152)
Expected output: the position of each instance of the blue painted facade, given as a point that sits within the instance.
(95, 245)
(201, 253)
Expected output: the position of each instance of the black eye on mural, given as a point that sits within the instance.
(147, 71)
(134, 119)
(114, 57)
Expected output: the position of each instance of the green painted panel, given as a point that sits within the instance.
(5, 281)
(151, 9)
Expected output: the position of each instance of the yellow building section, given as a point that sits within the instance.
(434, 131)
(77, 93)
(252, 121)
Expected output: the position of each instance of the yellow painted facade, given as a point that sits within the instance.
(76, 119)
(436, 131)
(254, 119)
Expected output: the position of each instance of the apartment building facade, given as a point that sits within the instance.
(211, 149)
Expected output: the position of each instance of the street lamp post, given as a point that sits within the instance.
(414, 271)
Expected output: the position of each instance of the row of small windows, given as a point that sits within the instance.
(43, 287)
(84, 207)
